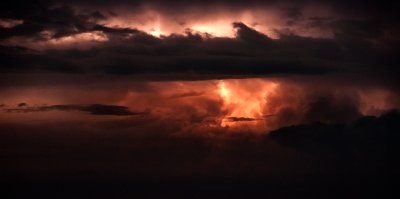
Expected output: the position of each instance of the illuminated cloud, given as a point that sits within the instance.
(10, 23)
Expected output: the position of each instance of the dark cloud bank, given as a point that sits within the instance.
(94, 109)
(364, 45)
(148, 159)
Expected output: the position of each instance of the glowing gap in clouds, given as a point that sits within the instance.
(217, 29)
(244, 102)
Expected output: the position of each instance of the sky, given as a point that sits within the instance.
(270, 97)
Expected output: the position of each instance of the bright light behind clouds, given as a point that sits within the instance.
(217, 22)
(245, 101)
(256, 105)
(218, 29)
(208, 21)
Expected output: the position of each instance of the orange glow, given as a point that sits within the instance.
(236, 104)
(218, 24)
(244, 100)
(154, 28)
(229, 105)
(214, 22)
(224, 92)
(155, 32)
(149, 21)
(218, 28)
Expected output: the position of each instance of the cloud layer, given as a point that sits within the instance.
(199, 99)
(94, 109)
(72, 38)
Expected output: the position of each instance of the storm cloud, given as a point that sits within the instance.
(365, 46)
(199, 99)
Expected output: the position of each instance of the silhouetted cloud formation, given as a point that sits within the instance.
(94, 109)
(240, 119)
(366, 139)
(365, 45)
(22, 104)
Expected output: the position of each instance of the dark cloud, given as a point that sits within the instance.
(250, 35)
(192, 57)
(363, 46)
(330, 108)
(94, 109)
(187, 94)
(99, 109)
(22, 104)
(179, 56)
(60, 20)
(368, 140)
(293, 13)
(241, 119)
(151, 159)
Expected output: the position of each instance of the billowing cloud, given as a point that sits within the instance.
(259, 105)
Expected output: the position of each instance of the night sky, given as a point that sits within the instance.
(199, 99)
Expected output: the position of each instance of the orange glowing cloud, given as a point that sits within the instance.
(218, 28)
(234, 105)
(245, 101)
